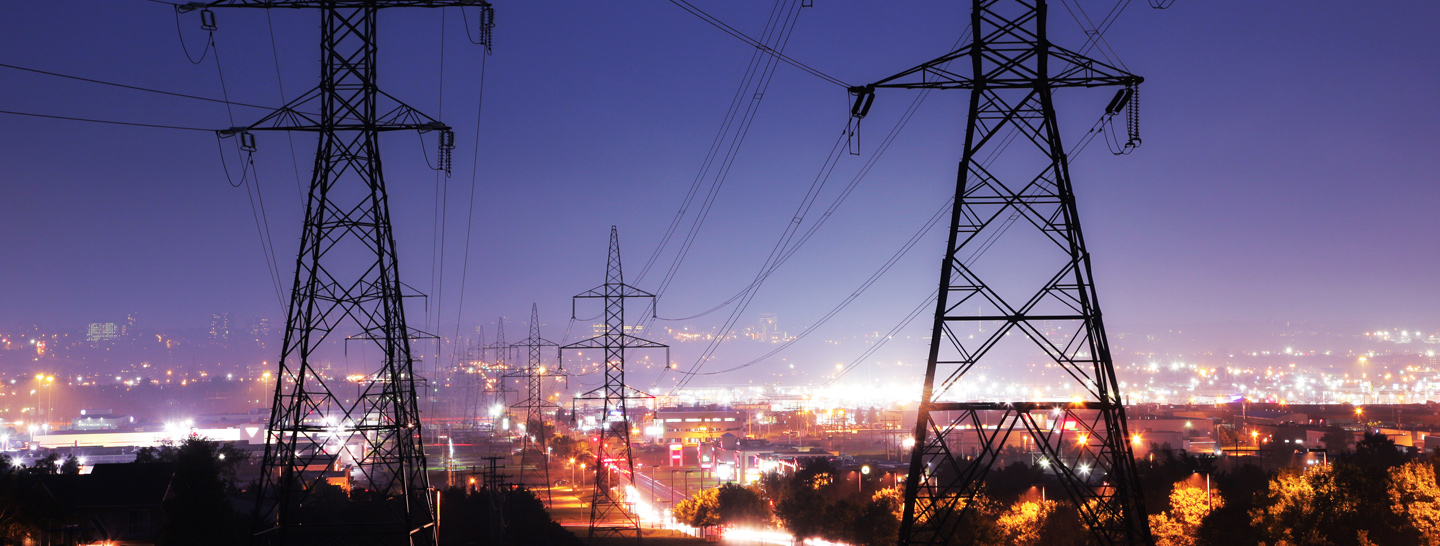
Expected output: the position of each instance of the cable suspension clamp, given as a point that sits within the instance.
(247, 141)
(207, 20)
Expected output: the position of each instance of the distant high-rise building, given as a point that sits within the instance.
(101, 331)
(260, 332)
(220, 328)
(769, 328)
(127, 328)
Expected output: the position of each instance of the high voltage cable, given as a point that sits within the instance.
(267, 242)
(1097, 36)
(780, 32)
(748, 292)
(470, 215)
(127, 86)
(870, 281)
(834, 205)
(929, 300)
(736, 102)
(280, 83)
(755, 43)
(438, 223)
(106, 121)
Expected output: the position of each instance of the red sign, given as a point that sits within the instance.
(677, 455)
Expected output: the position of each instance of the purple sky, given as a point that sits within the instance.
(1288, 170)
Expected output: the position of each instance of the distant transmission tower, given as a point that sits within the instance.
(1043, 300)
(473, 382)
(534, 461)
(614, 466)
(346, 281)
(493, 396)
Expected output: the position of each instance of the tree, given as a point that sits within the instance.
(25, 511)
(800, 499)
(700, 510)
(728, 504)
(196, 510)
(48, 466)
(879, 521)
(1337, 441)
(1415, 496)
(226, 457)
(71, 466)
(1180, 524)
(1377, 451)
(740, 505)
(1021, 524)
(1293, 506)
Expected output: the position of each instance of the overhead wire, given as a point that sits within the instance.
(106, 121)
(1096, 37)
(717, 23)
(438, 220)
(127, 86)
(209, 41)
(470, 213)
(257, 201)
(280, 84)
(865, 285)
(789, 250)
(722, 136)
(780, 32)
(840, 198)
(929, 300)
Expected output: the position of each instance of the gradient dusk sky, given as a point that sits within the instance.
(1288, 171)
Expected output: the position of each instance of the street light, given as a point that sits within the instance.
(860, 480)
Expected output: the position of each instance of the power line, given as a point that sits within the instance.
(757, 63)
(106, 121)
(755, 43)
(127, 86)
(470, 214)
(783, 244)
(870, 281)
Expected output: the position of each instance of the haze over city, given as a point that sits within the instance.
(1256, 217)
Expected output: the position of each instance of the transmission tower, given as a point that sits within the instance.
(473, 383)
(346, 282)
(493, 396)
(608, 515)
(1053, 314)
(534, 461)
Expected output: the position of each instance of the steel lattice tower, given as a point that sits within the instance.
(474, 382)
(533, 460)
(608, 515)
(493, 395)
(983, 299)
(346, 282)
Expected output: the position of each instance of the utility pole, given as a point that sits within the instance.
(346, 282)
(534, 456)
(1039, 293)
(608, 516)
